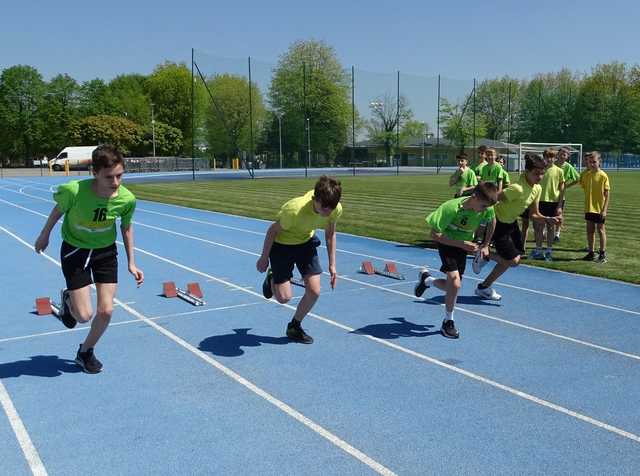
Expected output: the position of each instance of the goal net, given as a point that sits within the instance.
(575, 152)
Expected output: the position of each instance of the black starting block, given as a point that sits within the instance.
(390, 270)
(193, 294)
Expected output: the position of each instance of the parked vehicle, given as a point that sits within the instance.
(79, 157)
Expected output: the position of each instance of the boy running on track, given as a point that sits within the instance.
(595, 183)
(452, 226)
(507, 240)
(463, 179)
(291, 240)
(90, 209)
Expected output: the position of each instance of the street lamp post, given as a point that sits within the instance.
(153, 131)
(280, 136)
(309, 142)
(424, 140)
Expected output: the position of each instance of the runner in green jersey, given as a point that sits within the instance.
(88, 253)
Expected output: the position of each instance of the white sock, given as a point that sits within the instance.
(448, 316)
(428, 281)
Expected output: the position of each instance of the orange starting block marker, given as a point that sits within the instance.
(44, 307)
(390, 270)
(193, 294)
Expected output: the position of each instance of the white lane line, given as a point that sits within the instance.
(293, 413)
(121, 323)
(417, 266)
(404, 263)
(388, 289)
(468, 374)
(426, 358)
(27, 446)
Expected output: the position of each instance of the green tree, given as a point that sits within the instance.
(458, 125)
(59, 108)
(227, 119)
(169, 87)
(94, 98)
(119, 131)
(128, 97)
(21, 93)
(312, 67)
(492, 102)
(607, 111)
(381, 128)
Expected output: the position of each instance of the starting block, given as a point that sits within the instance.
(390, 270)
(193, 294)
(44, 307)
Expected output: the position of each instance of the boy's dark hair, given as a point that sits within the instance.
(487, 192)
(327, 191)
(548, 153)
(593, 153)
(533, 161)
(462, 155)
(106, 156)
(482, 148)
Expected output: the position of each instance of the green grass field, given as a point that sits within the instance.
(394, 208)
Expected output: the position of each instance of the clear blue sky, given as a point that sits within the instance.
(459, 39)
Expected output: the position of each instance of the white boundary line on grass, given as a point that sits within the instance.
(383, 288)
(458, 370)
(332, 438)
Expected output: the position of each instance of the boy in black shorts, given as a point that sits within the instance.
(90, 208)
(452, 226)
(291, 240)
(507, 240)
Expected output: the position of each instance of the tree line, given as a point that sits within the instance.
(306, 105)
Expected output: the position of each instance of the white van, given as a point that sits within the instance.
(79, 157)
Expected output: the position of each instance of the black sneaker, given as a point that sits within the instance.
(420, 285)
(87, 360)
(296, 333)
(602, 258)
(449, 330)
(267, 292)
(65, 312)
(556, 239)
(589, 257)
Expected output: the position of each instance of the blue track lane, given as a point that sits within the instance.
(159, 408)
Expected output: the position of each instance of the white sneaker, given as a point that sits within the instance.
(488, 293)
(478, 262)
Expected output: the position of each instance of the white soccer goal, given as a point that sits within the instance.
(575, 152)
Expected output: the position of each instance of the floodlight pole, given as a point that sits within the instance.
(153, 131)
(193, 132)
(280, 136)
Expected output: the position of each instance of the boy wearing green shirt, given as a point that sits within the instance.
(482, 150)
(452, 226)
(571, 178)
(463, 179)
(551, 199)
(506, 180)
(507, 239)
(492, 171)
(90, 209)
(291, 240)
